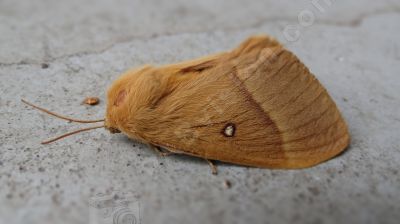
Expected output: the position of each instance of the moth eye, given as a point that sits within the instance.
(120, 98)
(229, 130)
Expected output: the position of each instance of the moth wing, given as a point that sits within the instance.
(258, 106)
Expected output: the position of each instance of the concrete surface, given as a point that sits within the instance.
(352, 47)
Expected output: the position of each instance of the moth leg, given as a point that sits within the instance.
(160, 151)
(212, 166)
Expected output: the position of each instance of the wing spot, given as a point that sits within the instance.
(229, 130)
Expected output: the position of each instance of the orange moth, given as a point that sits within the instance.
(256, 105)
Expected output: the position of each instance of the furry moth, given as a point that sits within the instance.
(256, 105)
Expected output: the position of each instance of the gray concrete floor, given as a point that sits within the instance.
(353, 47)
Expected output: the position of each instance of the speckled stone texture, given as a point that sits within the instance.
(352, 47)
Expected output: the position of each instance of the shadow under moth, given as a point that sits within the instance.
(256, 105)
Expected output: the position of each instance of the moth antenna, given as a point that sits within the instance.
(70, 133)
(61, 116)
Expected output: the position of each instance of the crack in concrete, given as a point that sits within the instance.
(356, 22)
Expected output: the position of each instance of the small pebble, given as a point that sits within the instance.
(227, 184)
(91, 101)
(45, 65)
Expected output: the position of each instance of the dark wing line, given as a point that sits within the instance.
(251, 100)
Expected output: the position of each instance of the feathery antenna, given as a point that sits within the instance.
(71, 133)
(61, 116)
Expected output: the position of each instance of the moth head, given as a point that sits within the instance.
(130, 95)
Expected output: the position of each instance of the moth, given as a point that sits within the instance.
(256, 105)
